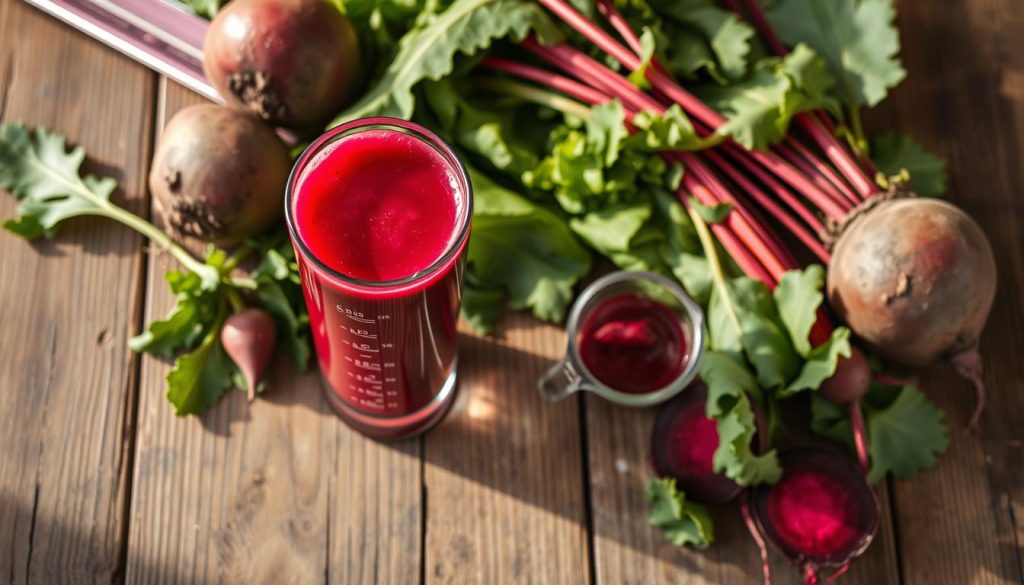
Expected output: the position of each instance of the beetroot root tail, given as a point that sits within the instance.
(968, 364)
(762, 547)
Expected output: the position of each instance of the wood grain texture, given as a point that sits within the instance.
(277, 491)
(503, 473)
(68, 307)
(964, 98)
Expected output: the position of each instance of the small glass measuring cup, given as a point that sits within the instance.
(571, 373)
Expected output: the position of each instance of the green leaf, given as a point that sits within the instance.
(200, 378)
(856, 37)
(205, 8)
(279, 292)
(906, 435)
(906, 431)
(43, 175)
(524, 250)
(481, 307)
(820, 363)
(429, 51)
(638, 77)
(712, 213)
(831, 421)
(486, 132)
(611, 229)
(742, 321)
(669, 131)
(760, 108)
(895, 154)
(683, 523)
(711, 37)
(606, 129)
(798, 296)
(730, 387)
(194, 311)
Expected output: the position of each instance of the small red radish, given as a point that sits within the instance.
(248, 337)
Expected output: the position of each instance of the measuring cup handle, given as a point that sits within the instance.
(560, 381)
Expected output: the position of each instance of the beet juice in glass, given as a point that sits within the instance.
(379, 212)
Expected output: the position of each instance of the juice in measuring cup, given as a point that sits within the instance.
(633, 344)
(379, 211)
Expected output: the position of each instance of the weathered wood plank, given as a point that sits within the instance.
(67, 388)
(964, 99)
(503, 473)
(279, 491)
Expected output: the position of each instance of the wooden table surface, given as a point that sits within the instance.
(100, 482)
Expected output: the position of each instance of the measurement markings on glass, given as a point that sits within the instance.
(367, 379)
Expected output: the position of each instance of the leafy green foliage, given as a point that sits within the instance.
(906, 431)
(760, 107)
(730, 388)
(205, 8)
(683, 523)
(482, 131)
(43, 175)
(895, 154)
(279, 292)
(429, 50)
(700, 35)
(856, 37)
(798, 297)
(524, 250)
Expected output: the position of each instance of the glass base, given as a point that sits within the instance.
(393, 428)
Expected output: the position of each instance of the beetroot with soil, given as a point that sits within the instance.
(915, 279)
(294, 63)
(219, 174)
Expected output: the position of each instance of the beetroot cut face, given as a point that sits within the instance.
(683, 445)
(822, 513)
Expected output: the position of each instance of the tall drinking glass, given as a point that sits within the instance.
(379, 212)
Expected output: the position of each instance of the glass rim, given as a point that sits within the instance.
(417, 131)
(591, 383)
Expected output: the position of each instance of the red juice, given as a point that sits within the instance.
(379, 214)
(633, 344)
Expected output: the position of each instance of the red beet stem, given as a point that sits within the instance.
(860, 441)
(769, 205)
(825, 139)
(693, 106)
(561, 83)
(747, 262)
(763, 256)
(589, 70)
(813, 172)
(833, 177)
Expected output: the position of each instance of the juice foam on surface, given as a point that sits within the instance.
(378, 206)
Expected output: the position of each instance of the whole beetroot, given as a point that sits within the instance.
(219, 174)
(916, 278)
(292, 62)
